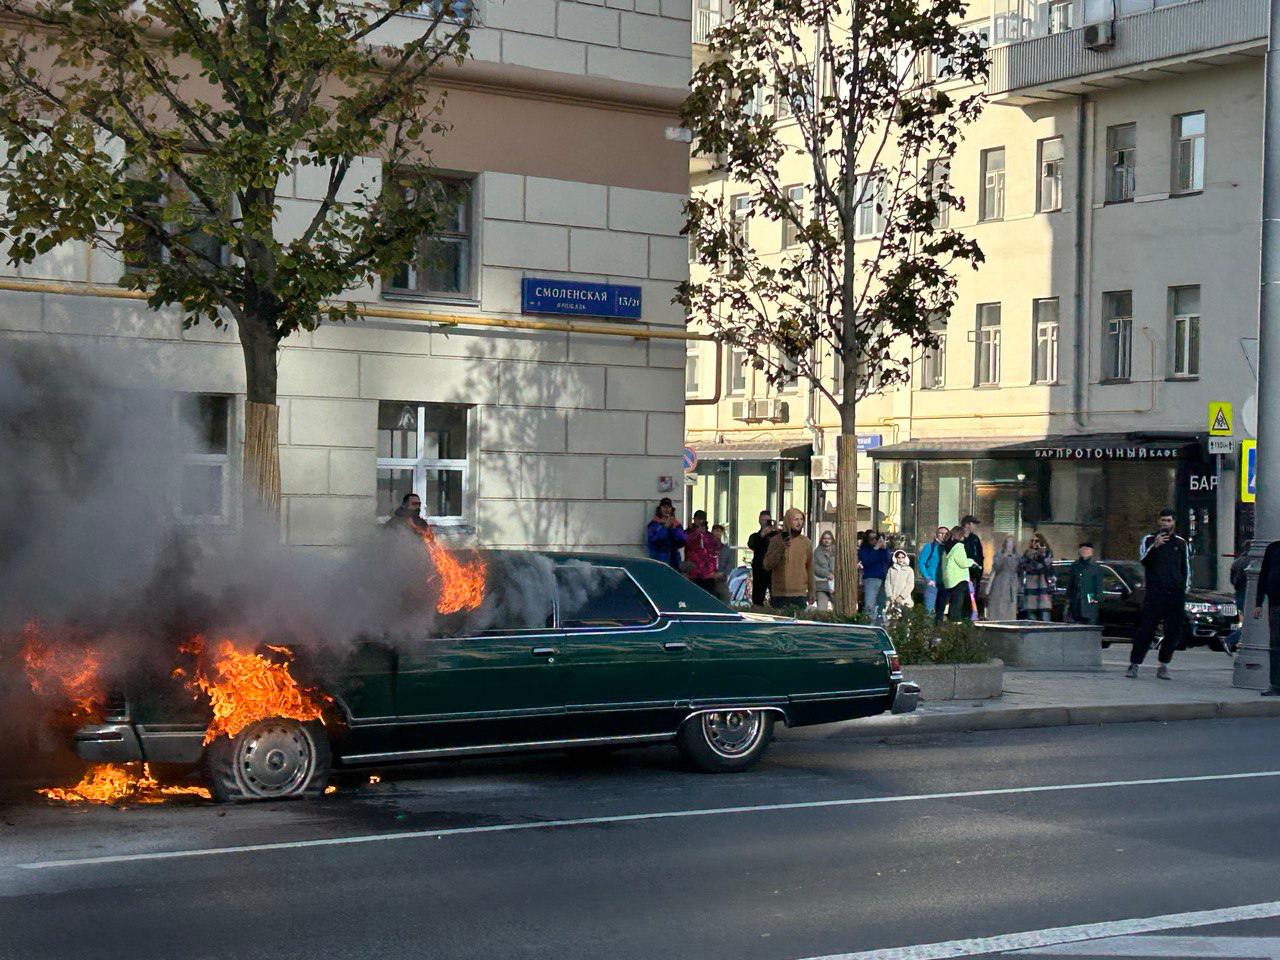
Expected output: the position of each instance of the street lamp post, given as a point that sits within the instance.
(1252, 662)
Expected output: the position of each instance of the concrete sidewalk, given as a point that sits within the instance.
(1200, 689)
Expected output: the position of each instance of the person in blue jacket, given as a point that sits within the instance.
(664, 535)
(929, 563)
(873, 557)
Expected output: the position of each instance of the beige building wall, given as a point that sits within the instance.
(559, 118)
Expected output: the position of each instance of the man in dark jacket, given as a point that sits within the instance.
(1167, 559)
(1269, 587)
(973, 550)
(1084, 587)
(758, 544)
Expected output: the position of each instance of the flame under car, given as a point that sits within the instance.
(625, 652)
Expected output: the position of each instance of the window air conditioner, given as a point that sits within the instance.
(1100, 36)
(741, 409)
(822, 468)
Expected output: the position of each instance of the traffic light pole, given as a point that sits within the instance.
(1252, 662)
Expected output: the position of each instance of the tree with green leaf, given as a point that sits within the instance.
(865, 101)
(159, 130)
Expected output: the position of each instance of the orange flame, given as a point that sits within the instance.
(461, 584)
(61, 670)
(244, 688)
(114, 783)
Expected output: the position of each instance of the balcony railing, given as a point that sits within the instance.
(704, 21)
(1034, 49)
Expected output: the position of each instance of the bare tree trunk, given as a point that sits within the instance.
(846, 596)
(261, 422)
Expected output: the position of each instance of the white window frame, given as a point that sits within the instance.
(1184, 336)
(421, 465)
(1117, 329)
(740, 219)
(1184, 181)
(868, 221)
(220, 460)
(992, 194)
(1049, 175)
(1060, 16)
(1122, 164)
(933, 363)
(987, 346)
(1044, 366)
(791, 367)
(692, 368)
(736, 358)
(796, 197)
(471, 236)
(939, 175)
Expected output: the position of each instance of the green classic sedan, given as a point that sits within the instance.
(605, 651)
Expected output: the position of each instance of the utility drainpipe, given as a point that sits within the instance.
(1083, 248)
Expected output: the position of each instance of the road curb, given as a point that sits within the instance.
(1013, 718)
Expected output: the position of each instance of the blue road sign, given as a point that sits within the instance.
(1248, 471)
(580, 299)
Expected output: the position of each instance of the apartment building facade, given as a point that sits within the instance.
(561, 170)
(1113, 183)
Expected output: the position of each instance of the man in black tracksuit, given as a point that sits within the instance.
(1269, 588)
(1167, 558)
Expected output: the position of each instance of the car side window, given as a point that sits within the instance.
(591, 596)
(1111, 582)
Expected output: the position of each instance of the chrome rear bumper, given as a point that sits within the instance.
(905, 697)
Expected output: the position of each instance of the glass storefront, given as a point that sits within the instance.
(733, 492)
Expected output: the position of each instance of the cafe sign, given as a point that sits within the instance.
(1118, 452)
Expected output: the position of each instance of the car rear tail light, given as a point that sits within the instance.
(895, 665)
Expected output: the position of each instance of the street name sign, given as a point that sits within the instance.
(1220, 424)
(1248, 471)
(580, 299)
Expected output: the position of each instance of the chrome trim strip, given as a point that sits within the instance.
(864, 693)
(504, 747)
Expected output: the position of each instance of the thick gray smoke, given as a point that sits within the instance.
(91, 546)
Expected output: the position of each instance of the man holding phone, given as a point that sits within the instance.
(1167, 559)
(789, 560)
(758, 543)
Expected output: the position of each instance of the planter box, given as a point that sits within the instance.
(1032, 645)
(957, 681)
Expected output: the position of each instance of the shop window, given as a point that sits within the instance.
(1050, 175)
(991, 206)
(1188, 153)
(1045, 366)
(1122, 162)
(422, 449)
(1184, 331)
(441, 265)
(988, 345)
(1117, 335)
(203, 491)
(943, 493)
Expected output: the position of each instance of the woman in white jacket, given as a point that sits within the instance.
(899, 583)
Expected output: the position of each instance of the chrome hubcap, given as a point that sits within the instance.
(274, 758)
(731, 733)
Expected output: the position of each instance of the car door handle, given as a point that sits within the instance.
(674, 646)
(544, 651)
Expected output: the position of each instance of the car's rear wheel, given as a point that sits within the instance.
(272, 759)
(726, 741)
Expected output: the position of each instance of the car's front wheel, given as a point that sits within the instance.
(725, 741)
(272, 759)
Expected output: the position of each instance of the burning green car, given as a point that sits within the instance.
(621, 651)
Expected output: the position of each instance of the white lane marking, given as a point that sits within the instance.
(1055, 936)
(1180, 948)
(638, 817)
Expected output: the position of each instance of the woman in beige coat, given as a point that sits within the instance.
(899, 583)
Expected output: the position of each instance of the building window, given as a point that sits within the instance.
(422, 449)
(992, 206)
(1185, 306)
(837, 373)
(933, 363)
(1050, 183)
(1122, 161)
(1061, 16)
(739, 214)
(798, 87)
(939, 180)
(1188, 153)
(791, 232)
(869, 212)
(206, 460)
(456, 11)
(988, 343)
(789, 366)
(1045, 366)
(737, 370)
(441, 264)
(1117, 335)
(187, 240)
(692, 369)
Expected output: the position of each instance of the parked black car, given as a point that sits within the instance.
(1210, 616)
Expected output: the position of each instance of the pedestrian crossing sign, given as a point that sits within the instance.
(1220, 419)
(1248, 471)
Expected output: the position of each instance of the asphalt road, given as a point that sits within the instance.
(829, 847)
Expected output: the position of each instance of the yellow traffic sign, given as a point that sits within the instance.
(1220, 424)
